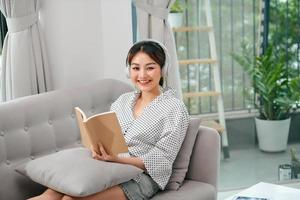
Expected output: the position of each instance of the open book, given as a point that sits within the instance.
(101, 130)
(248, 198)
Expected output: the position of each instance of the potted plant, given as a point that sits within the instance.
(278, 94)
(176, 14)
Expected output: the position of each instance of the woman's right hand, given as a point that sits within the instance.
(100, 154)
(95, 154)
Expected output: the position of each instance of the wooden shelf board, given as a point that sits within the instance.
(198, 61)
(213, 124)
(193, 29)
(201, 94)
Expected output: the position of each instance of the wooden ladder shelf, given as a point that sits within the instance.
(213, 62)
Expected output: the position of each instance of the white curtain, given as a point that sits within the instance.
(24, 63)
(152, 18)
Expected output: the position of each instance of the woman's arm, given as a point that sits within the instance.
(132, 161)
(135, 161)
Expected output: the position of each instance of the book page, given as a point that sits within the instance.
(102, 129)
(105, 129)
(81, 117)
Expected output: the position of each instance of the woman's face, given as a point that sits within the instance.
(145, 73)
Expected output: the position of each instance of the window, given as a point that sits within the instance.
(3, 31)
(284, 31)
(234, 22)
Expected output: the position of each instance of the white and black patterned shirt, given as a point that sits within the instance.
(157, 134)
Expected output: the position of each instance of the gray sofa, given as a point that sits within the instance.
(37, 125)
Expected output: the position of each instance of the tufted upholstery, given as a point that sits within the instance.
(41, 124)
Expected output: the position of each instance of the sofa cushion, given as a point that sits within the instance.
(190, 190)
(182, 160)
(76, 173)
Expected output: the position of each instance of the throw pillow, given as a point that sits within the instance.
(76, 173)
(181, 163)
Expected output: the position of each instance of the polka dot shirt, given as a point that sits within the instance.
(157, 134)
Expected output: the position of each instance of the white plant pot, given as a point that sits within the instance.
(272, 134)
(175, 20)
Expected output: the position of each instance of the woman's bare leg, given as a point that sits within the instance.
(49, 194)
(114, 192)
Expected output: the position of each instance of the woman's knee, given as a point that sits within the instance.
(66, 197)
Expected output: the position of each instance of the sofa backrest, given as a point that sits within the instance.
(40, 124)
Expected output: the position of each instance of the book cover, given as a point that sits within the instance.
(101, 130)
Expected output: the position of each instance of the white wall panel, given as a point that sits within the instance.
(86, 39)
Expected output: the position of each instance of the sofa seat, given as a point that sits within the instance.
(190, 190)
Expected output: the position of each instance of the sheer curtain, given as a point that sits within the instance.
(152, 17)
(24, 62)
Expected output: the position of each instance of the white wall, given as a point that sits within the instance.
(86, 39)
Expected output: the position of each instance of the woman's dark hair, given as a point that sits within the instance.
(153, 50)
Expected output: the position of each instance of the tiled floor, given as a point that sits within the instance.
(247, 167)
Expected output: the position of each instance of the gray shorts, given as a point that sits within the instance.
(144, 189)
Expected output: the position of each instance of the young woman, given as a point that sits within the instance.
(153, 121)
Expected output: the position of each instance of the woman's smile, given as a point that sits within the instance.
(145, 73)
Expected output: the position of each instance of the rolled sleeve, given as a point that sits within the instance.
(159, 160)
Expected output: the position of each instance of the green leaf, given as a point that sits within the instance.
(270, 81)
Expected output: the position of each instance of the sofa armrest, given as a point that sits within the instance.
(205, 160)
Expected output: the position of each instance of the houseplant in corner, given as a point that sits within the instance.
(277, 95)
(176, 14)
